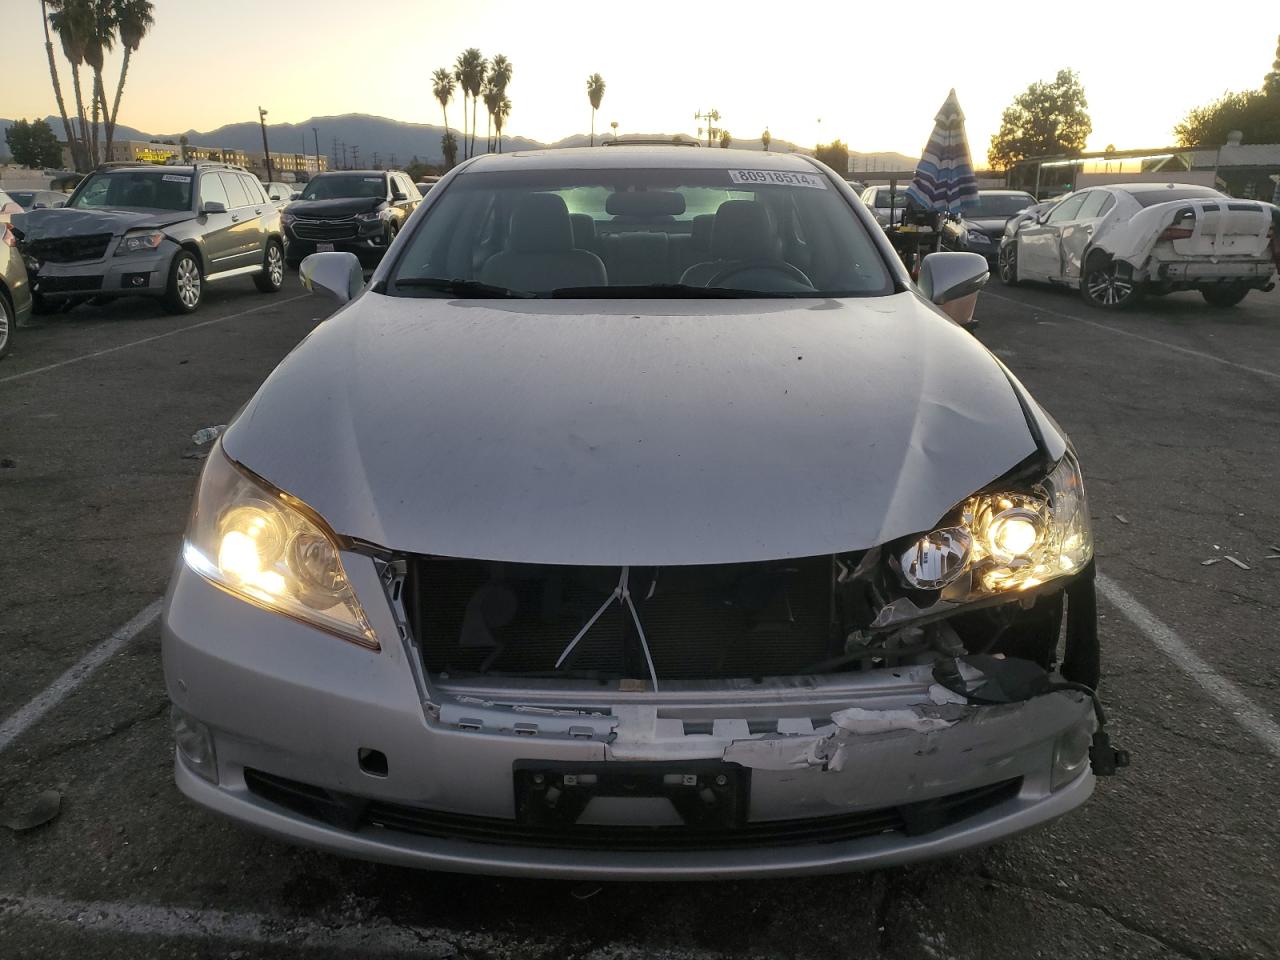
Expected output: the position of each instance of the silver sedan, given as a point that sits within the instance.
(639, 518)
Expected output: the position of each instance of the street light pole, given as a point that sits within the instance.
(262, 119)
(315, 134)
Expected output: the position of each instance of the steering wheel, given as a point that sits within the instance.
(777, 266)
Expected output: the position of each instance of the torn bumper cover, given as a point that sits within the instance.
(839, 772)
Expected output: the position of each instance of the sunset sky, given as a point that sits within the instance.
(868, 70)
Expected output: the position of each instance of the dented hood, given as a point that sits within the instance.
(633, 432)
(61, 222)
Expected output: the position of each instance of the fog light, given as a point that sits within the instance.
(195, 743)
(1070, 755)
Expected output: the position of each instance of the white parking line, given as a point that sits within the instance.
(78, 673)
(158, 336)
(1137, 336)
(338, 936)
(1237, 703)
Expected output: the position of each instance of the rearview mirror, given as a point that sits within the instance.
(337, 274)
(952, 281)
(213, 206)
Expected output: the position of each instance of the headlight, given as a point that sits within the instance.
(138, 242)
(372, 215)
(287, 218)
(1006, 541)
(978, 237)
(266, 547)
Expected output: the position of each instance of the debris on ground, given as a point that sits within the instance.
(1272, 556)
(1210, 561)
(585, 891)
(1239, 563)
(1121, 518)
(8, 463)
(195, 455)
(208, 434)
(44, 808)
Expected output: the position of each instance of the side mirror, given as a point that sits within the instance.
(57, 205)
(399, 195)
(952, 281)
(337, 274)
(39, 205)
(213, 206)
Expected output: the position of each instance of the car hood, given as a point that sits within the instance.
(991, 226)
(633, 432)
(61, 222)
(340, 207)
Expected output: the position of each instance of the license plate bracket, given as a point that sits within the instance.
(324, 248)
(707, 794)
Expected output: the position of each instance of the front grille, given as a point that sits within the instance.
(67, 284)
(68, 249)
(353, 813)
(324, 229)
(700, 622)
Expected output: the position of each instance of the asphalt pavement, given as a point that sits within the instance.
(1175, 411)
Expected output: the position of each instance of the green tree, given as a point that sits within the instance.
(726, 140)
(469, 70)
(449, 147)
(33, 144)
(73, 22)
(492, 97)
(133, 20)
(1252, 112)
(443, 84)
(835, 155)
(766, 138)
(500, 115)
(76, 159)
(595, 93)
(1271, 83)
(1045, 119)
(499, 78)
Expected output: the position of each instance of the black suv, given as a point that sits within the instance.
(359, 211)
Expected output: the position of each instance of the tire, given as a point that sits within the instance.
(271, 279)
(1224, 295)
(185, 287)
(8, 324)
(1109, 285)
(1007, 264)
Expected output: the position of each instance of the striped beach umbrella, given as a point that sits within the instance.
(944, 179)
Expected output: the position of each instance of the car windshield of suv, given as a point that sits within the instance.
(643, 232)
(899, 198)
(345, 186)
(156, 189)
(995, 206)
(1149, 198)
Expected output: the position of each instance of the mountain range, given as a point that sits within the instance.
(404, 141)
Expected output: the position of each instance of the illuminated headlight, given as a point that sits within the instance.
(372, 216)
(267, 547)
(978, 237)
(139, 242)
(287, 218)
(1007, 541)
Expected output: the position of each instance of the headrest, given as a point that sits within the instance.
(700, 231)
(540, 224)
(584, 231)
(743, 230)
(645, 203)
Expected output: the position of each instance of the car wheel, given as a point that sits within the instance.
(1224, 295)
(1109, 285)
(186, 286)
(392, 229)
(1007, 264)
(8, 321)
(271, 279)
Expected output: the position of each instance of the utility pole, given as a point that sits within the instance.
(376, 164)
(316, 134)
(355, 155)
(712, 117)
(335, 153)
(344, 155)
(262, 119)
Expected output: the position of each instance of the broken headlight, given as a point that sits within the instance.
(267, 547)
(1006, 541)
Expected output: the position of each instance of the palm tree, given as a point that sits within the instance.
(134, 18)
(595, 93)
(101, 38)
(77, 161)
(449, 147)
(499, 77)
(469, 70)
(766, 138)
(492, 97)
(72, 21)
(443, 85)
(500, 118)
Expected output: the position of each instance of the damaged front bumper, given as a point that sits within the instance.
(322, 743)
(134, 275)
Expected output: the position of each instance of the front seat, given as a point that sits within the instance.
(742, 233)
(540, 254)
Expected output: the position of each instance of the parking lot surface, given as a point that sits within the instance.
(1175, 410)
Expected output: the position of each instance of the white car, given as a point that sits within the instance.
(1117, 242)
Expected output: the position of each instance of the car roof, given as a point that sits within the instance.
(1004, 193)
(358, 173)
(1153, 187)
(627, 156)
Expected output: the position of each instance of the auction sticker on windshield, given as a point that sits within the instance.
(779, 177)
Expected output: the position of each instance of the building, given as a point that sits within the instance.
(1246, 170)
(288, 167)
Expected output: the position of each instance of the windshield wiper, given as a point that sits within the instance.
(667, 291)
(463, 288)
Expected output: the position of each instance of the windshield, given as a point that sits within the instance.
(899, 197)
(134, 190)
(992, 206)
(1149, 198)
(345, 186)
(640, 232)
(23, 198)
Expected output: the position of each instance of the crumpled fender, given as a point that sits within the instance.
(1132, 240)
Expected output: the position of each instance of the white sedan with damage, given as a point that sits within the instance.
(640, 518)
(1117, 243)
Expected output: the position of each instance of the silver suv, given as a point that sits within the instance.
(161, 231)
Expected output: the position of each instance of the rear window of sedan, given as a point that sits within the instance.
(610, 232)
(1149, 198)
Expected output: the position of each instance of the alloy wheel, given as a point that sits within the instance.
(188, 282)
(1008, 264)
(5, 321)
(275, 265)
(1107, 287)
